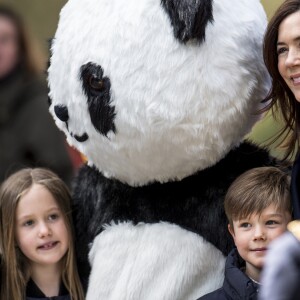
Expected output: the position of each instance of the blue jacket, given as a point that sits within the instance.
(237, 285)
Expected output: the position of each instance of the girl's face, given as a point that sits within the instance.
(41, 232)
(288, 50)
(253, 234)
(9, 49)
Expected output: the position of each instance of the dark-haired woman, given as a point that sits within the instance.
(281, 274)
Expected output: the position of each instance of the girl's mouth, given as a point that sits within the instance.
(48, 246)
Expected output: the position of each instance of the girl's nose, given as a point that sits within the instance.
(44, 230)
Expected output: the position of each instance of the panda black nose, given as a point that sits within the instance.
(61, 112)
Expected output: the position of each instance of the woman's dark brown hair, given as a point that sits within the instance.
(281, 97)
(31, 56)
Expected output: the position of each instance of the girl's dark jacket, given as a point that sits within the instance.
(237, 285)
(34, 293)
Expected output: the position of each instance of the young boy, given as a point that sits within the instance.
(258, 208)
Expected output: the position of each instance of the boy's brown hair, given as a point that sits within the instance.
(255, 190)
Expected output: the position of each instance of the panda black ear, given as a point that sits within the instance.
(189, 18)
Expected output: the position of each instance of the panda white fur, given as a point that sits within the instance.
(158, 94)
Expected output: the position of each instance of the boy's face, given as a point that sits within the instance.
(253, 234)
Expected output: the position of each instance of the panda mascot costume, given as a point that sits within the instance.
(158, 95)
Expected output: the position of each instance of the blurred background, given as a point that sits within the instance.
(42, 16)
(27, 130)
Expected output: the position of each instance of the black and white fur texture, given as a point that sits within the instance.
(158, 94)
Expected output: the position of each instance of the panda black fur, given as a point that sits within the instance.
(185, 203)
(195, 204)
(158, 95)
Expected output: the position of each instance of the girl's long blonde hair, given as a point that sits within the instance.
(15, 271)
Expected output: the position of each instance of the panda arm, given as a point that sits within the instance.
(86, 197)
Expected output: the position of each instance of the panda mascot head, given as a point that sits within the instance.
(158, 95)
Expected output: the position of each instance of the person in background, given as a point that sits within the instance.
(281, 275)
(36, 238)
(258, 208)
(28, 135)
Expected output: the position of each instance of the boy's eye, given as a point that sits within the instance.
(28, 223)
(271, 222)
(245, 225)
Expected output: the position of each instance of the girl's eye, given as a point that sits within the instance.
(281, 50)
(53, 217)
(28, 223)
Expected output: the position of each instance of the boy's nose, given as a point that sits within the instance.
(259, 233)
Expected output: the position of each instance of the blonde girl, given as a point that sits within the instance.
(36, 238)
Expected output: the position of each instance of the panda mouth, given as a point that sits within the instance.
(80, 138)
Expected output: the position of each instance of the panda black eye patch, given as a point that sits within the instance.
(96, 87)
(93, 81)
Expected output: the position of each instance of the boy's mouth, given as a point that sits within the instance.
(259, 249)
